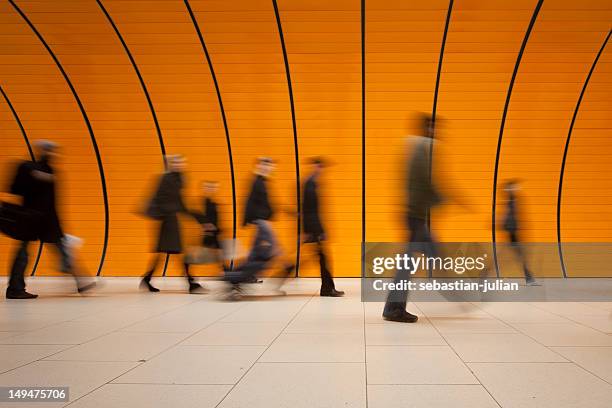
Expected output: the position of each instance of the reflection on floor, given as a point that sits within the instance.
(124, 348)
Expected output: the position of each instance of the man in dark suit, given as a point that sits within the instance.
(35, 182)
(313, 227)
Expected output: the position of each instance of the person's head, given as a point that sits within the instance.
(264, 166)
(427, 125)
(210, 187)
(176, 163)
(45, 150)
(512, 185)
(317, 165)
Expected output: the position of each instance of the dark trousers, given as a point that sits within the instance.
(147, 277)
(17, 281)
(327, 282)
(515, 243)
(421, 241)
(259, 257)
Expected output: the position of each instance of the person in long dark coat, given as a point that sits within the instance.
(313, 227)
(422, 194)
(165, 207)
(35, 182)
(511, 226)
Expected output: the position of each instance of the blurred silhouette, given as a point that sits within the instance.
(265, 246)
(36, 183)
(164, 207)
(511, 223)
(422, 196)
(211, 250)
(313, 227)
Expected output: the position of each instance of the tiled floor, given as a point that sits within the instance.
(123, 348)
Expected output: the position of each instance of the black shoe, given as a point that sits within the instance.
(196, 288)
(401, 316)
(85, 288)
(20, 295)
(332, 293)
(145, 284)
(253, 279)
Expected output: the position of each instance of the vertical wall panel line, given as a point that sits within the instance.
(566, 149)
(32, 157)
(87, 123)
(363, 135)
(519, 57)
(435, 100)
(295, 137)
(223, 116)
(144, 89)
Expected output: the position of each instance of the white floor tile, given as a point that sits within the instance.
(474, 324)
(416, 365)
(154, 396)
(597, 360)
(328, 324)
(543, 385)
(316, 348)
(61, 333)
(564, 334)
(15, 355)
(421, 333)
(236, 334)
(502, 347)
(121, 346)
(300, 385)
(429, 396)
(80, 376)
(195, 365)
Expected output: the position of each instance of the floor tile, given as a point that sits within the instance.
(196, 365)
(61, 333)
(416, 365)
(564, 334)
(473, 324)
(421, 333)
(237, 334)
(330, 324)
(501, 347)
(15, 355)
(121, 346)
(300, 385)
(543, 385)
(154, 396)
(316, 347)
(80, 376)
(429, 396)
(597, 360)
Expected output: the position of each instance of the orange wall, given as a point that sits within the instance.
(323, 44)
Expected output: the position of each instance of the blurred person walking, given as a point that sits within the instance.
(422, 195)
(511, 224)
(36, 183)
(313, 227)
(265, 247)
(165, 206)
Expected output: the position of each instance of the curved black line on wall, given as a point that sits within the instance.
(363, 135)
(534, 17)
(32, 157)
(227, 134)
(567, 143)
(295, 138)
(142, 85)
(435, 100)
(89, 128)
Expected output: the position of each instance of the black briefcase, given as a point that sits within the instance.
(18, 222)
